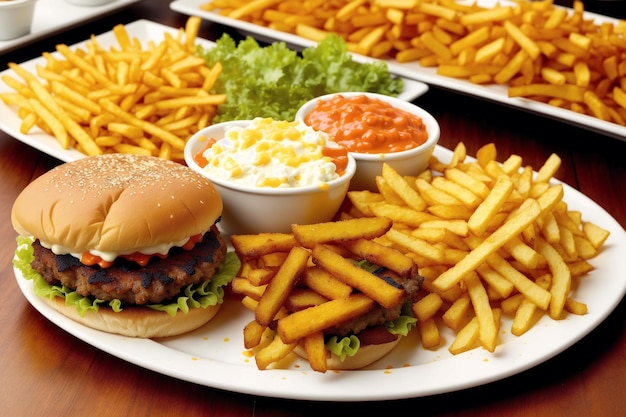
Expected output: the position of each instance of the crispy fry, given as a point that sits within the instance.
(519, 221)
(315, 351)
(278, 289)
(325, 284)
(296, 326)
(273, 352)
(487, 328)
(345, 230)
(377, 289)
(383, 256)
(253, 246)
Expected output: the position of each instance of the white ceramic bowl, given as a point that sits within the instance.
(16, 18)
(249, 209)
(409, 162)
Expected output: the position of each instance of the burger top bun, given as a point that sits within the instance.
(116, 203)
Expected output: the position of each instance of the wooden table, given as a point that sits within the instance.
(45, 371)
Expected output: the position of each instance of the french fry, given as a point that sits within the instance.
(519, 221)
(561, 278)
(325, 284)
(253, 334)
(316, 351)
(377, 289)
(298, 325)
(454, 315)
(479, 221)
(523, 284)
(426, 308)
(383, 256)
(487, 328)
(360, 228)
(525, 314)
(429, 333)
(253, 246)
(465, 338)
(273, 352)
(278, 289)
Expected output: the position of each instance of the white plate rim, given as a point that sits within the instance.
(144, 30)
(52, 16)
(412, 70)
(213, 355)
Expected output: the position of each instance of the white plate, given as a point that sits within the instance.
(52, 16)
(413, 70)
(145, 31)
(214, 354)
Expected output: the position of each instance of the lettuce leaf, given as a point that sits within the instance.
(349, 345)
(274, 81)
(194, 296)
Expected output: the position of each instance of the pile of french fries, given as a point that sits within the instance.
(539, 50)
(491, 239)
(129, 98)
(305, 282)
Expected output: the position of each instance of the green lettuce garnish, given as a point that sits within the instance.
(349, 345)
(194, 296)
(274, 81)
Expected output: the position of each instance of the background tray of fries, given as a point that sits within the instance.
(413, 70)
(53, 16)
(215, 356)
(144, 31)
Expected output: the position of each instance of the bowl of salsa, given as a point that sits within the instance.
(375, 129)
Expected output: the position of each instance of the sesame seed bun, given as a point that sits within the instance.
(116, 203)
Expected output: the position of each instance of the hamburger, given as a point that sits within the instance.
(358, 342)
(125, 244)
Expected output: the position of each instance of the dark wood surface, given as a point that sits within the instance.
(45, 371)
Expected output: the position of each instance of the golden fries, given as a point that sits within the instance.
(518, 256)
(541, 51)
(317, 285)
(135, 98)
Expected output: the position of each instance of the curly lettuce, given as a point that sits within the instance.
(349, 345)
(274, 81)
(193, 296)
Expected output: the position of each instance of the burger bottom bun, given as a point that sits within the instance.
(366, 355)
(141, 322)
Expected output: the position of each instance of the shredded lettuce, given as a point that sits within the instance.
(195, 296)
(274, 81)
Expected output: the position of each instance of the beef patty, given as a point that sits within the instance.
(160, 280)
(380, 315)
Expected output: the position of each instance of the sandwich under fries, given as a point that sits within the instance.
(338, 298)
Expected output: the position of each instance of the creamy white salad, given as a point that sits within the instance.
(272, 153)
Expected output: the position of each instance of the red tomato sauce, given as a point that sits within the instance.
(367, 125)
